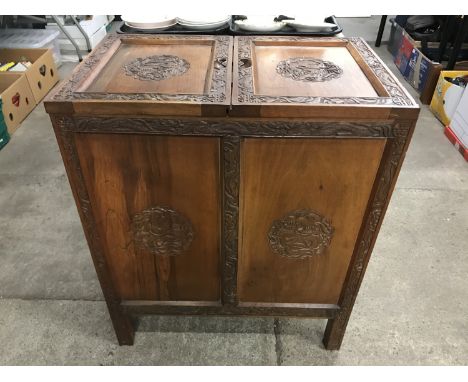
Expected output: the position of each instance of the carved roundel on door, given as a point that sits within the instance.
(162, 231)
(156, 68)
(308, 69)
(300, 234)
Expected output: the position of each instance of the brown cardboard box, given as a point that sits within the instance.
(17, 99)
(420, 71)
(42, 75)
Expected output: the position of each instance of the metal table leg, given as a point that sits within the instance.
(383, 20)
(77, 48)
(85, 35)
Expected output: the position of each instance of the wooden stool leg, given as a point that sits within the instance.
(123, 326)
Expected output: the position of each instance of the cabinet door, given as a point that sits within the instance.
(302, 203)
(156, 203)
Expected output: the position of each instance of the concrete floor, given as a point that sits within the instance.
(411, 309)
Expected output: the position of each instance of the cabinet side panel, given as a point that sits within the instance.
(157, 206)
(302, 205)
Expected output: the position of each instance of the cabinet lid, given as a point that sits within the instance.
(152, 75)
(312, 77)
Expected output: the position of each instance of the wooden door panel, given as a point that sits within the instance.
(302, 203)
(156, 203)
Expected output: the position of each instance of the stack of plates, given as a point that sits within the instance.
(203, 22)
(260, 24)
(149, 22)
(311, 24)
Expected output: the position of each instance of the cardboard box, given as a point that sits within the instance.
(404, 53)
(42, 75)
(447, 95)
(15, 38)
(396, 35)
(17, 99)
(420, 72)
(456, 142)
(431, 48)
(459, 122)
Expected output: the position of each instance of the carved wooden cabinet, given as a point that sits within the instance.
(221, 176)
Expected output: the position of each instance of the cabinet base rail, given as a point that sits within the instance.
(189, 308)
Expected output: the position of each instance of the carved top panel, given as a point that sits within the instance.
(313, 69)
(170, 65)
(153, 67)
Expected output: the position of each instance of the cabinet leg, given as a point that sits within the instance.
(335, 331)
(123, 326)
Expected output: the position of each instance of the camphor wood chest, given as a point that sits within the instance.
(221, 176)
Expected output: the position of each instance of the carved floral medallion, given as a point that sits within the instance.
(300, 234)
(308, 69)
(156, 68)
(162, 231)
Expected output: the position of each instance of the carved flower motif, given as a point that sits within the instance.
(156, 68)
(308, 69)
(300, 234)
(162, 231)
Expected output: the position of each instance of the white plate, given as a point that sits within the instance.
(181, 22)
(149, 26)
(260, 26)
(149, 22)
(307, 26)
(203, 20)
(202, 26)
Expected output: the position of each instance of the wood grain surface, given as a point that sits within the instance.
(264, 87)
(332, 177)
(113, 79)
(352, 82)
(127, 174)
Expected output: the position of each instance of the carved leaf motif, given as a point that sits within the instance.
(308, 69)
(162, 231)
(157, 67)
(300, 234)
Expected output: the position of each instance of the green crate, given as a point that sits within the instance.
(4, 136)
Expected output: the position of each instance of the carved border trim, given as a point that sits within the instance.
(218, 90)
(227, 127)
(230, 217)
(245, 77)
(368, 232)
(122, 325)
